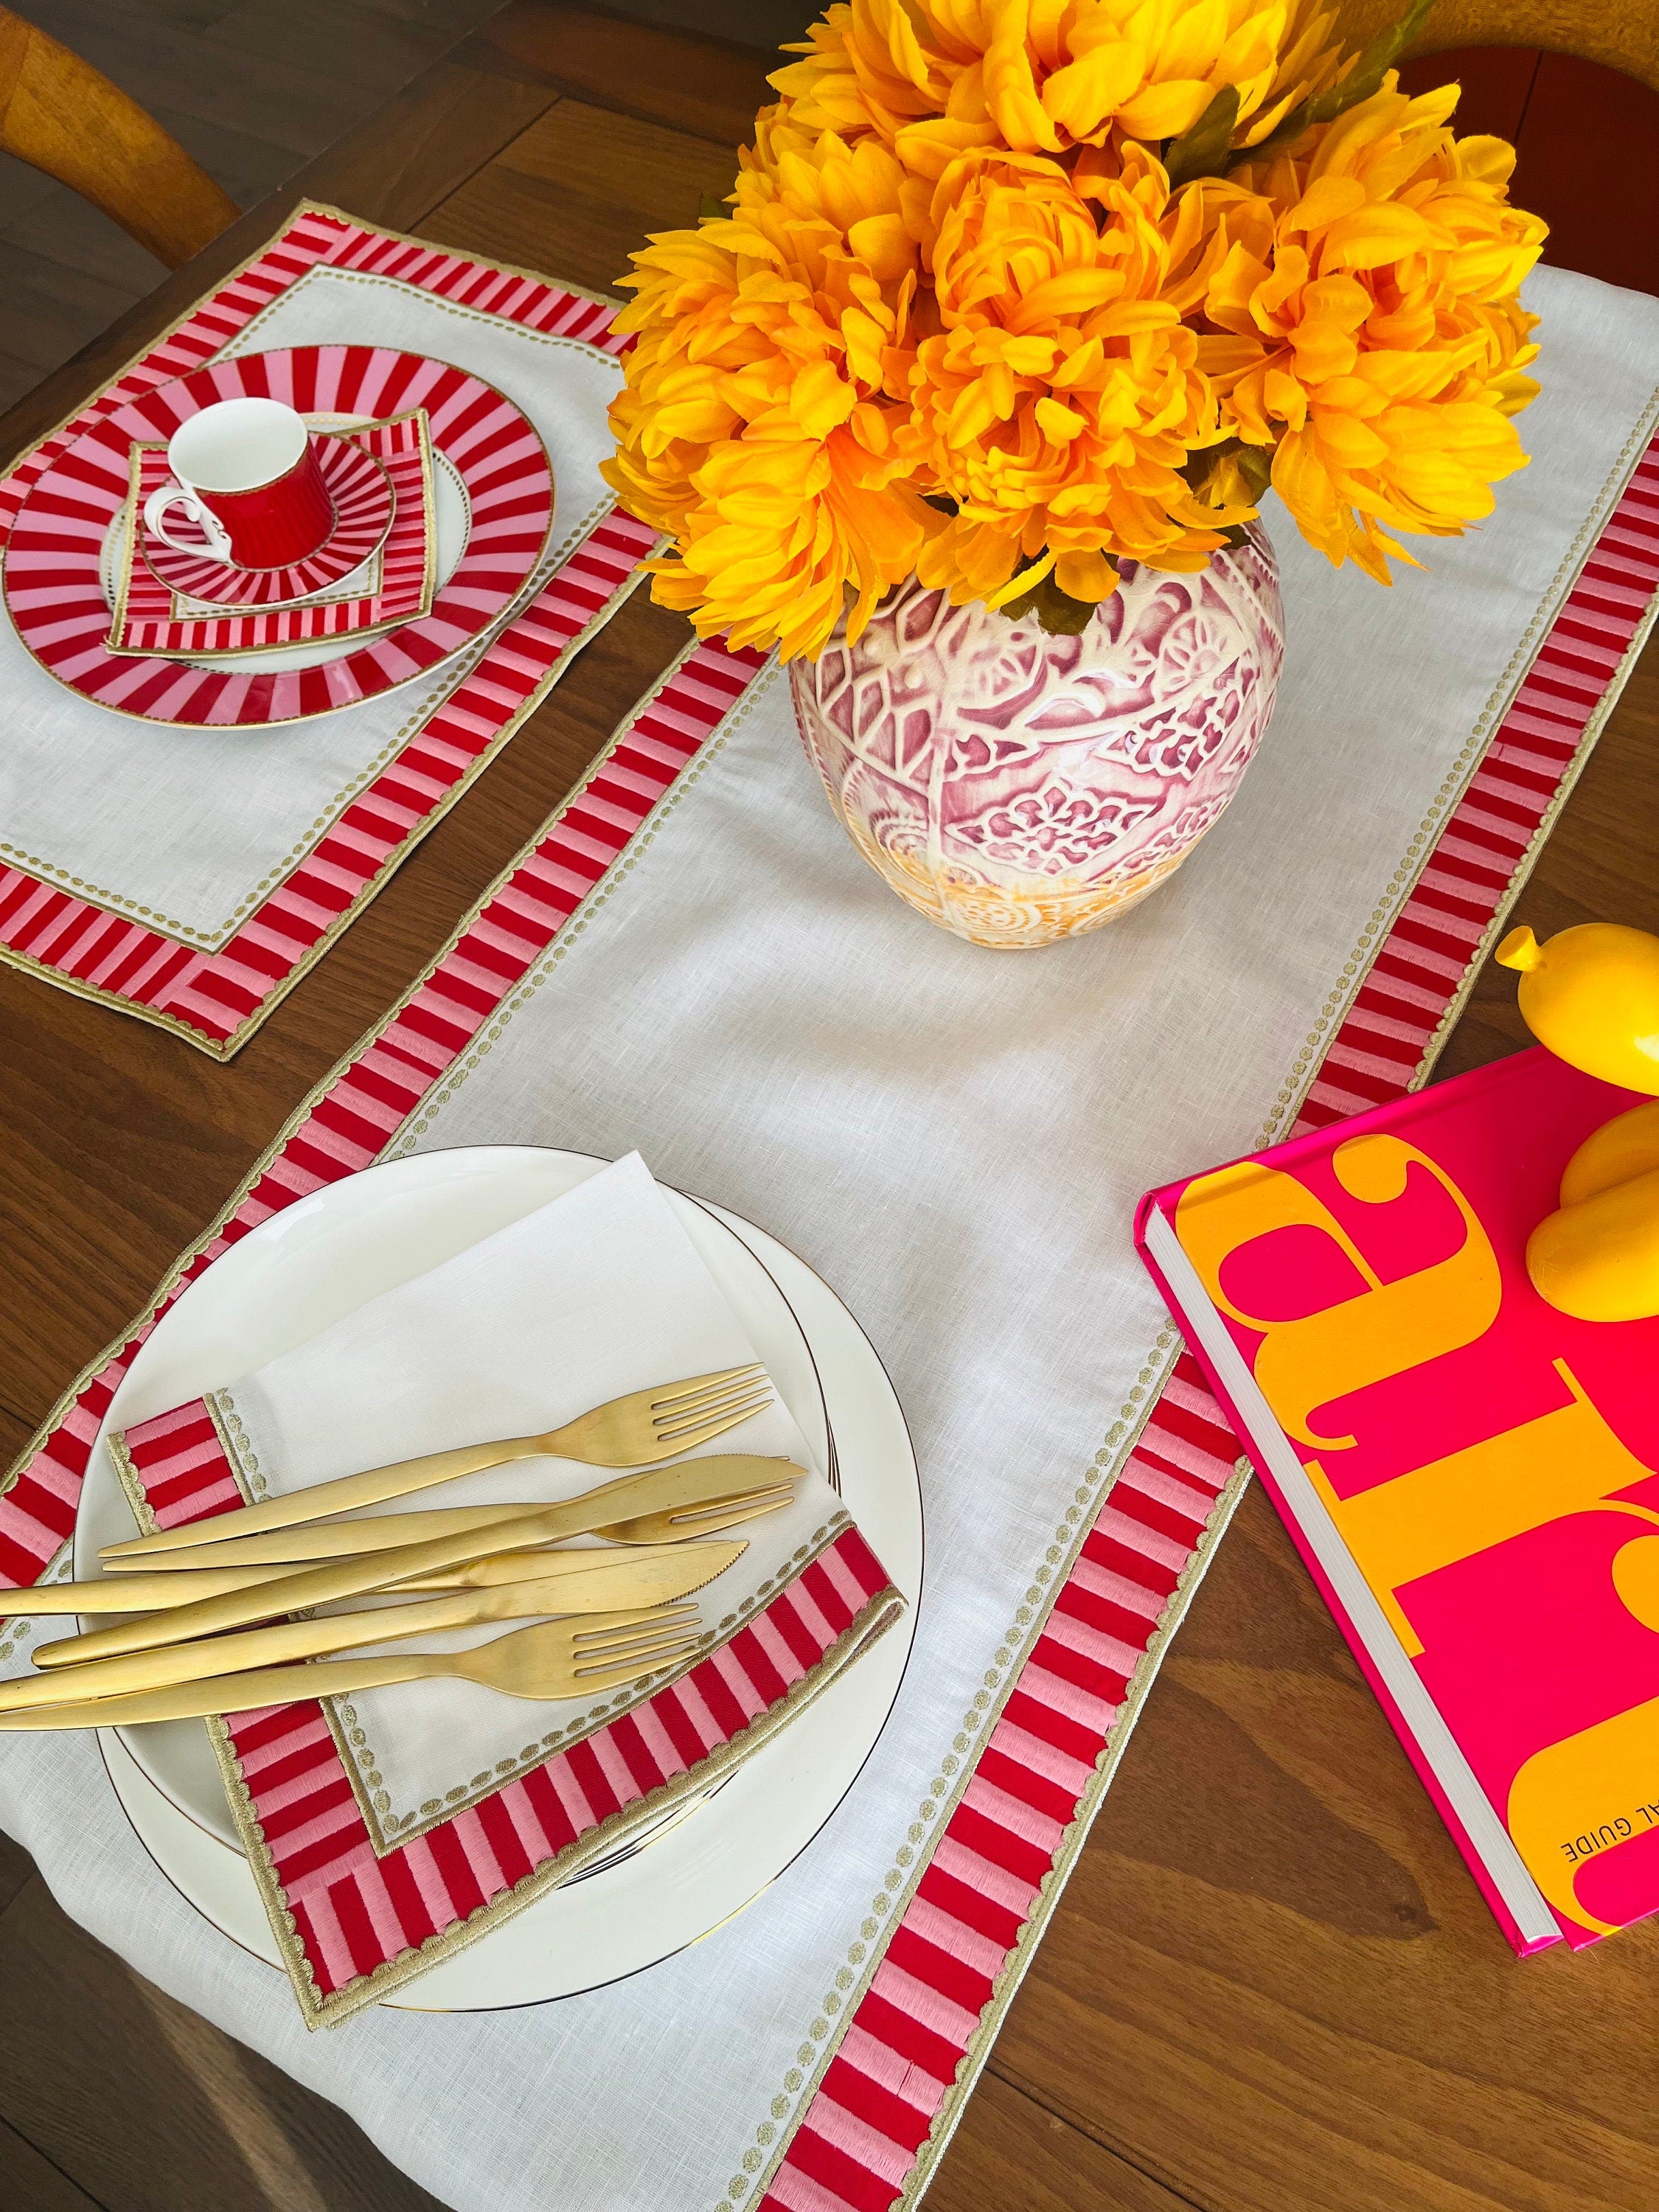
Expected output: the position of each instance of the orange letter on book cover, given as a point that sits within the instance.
(1567, 1461)
(1389, 1328)
(1597, 1788)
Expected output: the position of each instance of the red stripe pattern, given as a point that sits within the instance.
(217, 999)
(358, 1917)
(352, 1124)
(899, 2055)
(55, 592)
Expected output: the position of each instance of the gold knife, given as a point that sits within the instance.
(330, 1540)
(139, 1593)
(178, 1590)
(658, 1490)
(611, 1586)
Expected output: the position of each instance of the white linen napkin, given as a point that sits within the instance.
(599, 1293)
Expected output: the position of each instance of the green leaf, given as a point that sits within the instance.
(710, 209)
(1202, 151)
(1060, 614)
(1255, 466)
(1363, 79)
(1057, 611)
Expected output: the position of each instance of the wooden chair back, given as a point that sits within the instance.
(58, 113)
(1620, 34)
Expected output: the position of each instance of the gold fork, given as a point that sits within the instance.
(185, 1581)
(746, 1479)
(554, 1659)
(659, 1423)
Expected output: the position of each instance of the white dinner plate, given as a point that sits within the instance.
(322, 1257)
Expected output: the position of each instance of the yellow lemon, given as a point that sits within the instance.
(1591, 995)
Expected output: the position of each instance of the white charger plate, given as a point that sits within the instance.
(320, 1259)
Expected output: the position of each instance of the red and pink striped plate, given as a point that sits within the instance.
(52, 579)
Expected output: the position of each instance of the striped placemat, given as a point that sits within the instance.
(216, 998)
(895, 2066)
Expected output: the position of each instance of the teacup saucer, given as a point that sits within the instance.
(363, 506)
(392, 584)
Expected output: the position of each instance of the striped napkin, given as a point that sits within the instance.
(389, 1830)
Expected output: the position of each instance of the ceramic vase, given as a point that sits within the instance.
(1018, 789)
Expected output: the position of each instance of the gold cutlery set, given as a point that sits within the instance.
(208, 1607)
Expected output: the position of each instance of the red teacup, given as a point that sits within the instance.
(247, 474)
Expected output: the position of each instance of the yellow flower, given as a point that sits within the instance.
(1061, 393)
(957, 323)
(756, 427)
(1361, 308)
(937, 78)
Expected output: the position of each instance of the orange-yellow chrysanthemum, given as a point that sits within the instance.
(1061, 393)
(957, 323)
(1361, 303)
(937, 78)
(754, 428)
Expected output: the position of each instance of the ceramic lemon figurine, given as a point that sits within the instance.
(1591, 996)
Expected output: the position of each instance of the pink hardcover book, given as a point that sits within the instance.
(1469, 1473)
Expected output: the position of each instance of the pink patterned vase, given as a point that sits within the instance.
(1017, 788)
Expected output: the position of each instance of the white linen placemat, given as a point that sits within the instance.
(954, 1138)
(193, 825)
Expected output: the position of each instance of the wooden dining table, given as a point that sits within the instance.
(1270, 1985)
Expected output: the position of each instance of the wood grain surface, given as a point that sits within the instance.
(1270, 1987)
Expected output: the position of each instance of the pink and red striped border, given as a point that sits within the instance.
(361, 1918)
(912, 2043)
(883, 2108)
(217, 999)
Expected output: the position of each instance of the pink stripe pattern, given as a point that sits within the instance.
(359, 1916)
(217, 999)
(919, 2018)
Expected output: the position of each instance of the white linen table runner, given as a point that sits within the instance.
(955, 1138)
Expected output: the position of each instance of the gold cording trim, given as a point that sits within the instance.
(130, 909)
(1012, 1972)
(456, 669)
(878, 1614)
(783, 2106)
(957, 1768)
(838, 2008)
(116, 1443)
(301, 208)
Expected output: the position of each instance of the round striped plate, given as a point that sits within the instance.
(361, 492)
(52, 580)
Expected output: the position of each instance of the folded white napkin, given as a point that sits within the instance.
(600, 1292)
